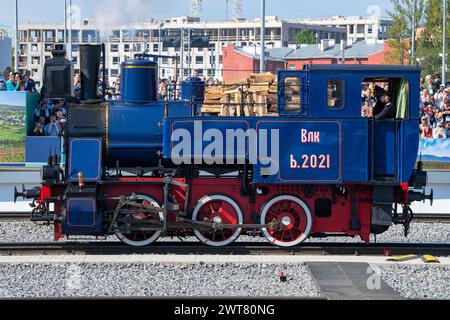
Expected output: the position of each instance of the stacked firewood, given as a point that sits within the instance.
(255, 96)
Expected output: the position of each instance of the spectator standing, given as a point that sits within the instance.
(19, 82)
(429, 85)
(447, 128)
(163, 89)
(446, 112)
(38, 130)
(41, 111)
(77, 86)
(29, 84)
(440, 132)
(4, 76)
(61, 120)
(11, 84)
(52, 129)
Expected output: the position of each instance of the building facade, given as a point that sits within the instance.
(37, 41)
(327, 52)
(358, 28)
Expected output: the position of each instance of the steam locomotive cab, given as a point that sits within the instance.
(142, 168)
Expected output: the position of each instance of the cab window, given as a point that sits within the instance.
(336, 94)
(385, 98)
(292, 97)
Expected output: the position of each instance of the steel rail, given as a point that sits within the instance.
(243, 248)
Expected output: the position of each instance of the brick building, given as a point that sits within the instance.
(238, 62)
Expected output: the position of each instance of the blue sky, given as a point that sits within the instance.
(52, 11)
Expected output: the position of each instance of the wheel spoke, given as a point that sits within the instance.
(295, 217)
(221, 210)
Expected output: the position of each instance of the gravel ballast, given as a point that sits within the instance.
(418, 282)
(13, 232)
(154, 280)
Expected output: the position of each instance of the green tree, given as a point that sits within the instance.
(407, 16)
(305, 37)
(430, 41)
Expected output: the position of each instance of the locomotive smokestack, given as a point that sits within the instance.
(90, 56)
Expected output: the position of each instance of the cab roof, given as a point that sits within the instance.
(361, 67)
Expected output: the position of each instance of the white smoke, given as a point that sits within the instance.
(116, 14)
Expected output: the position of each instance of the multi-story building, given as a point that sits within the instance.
(37, 40)
(358, 28)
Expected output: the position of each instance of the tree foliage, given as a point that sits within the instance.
(430, 41)
(305, 37)
(407, 16)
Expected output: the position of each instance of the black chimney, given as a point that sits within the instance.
(90, 56)
(58, 75)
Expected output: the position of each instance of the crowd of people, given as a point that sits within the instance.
(435, 108)
(15, 81)
(50, 118)
(377, 101)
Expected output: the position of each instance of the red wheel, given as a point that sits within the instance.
(142, 238)
(294, 218)
(219, 210)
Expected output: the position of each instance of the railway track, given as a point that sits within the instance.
(194, 248)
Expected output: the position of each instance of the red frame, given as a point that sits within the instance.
(338, 223)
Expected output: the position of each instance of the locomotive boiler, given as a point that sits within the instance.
(143, 168)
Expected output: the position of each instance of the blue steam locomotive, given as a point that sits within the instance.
(142, 168)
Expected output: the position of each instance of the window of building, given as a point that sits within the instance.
(114, 73)
(199, 60)
(114, 48)
(60, 35)
(335, 94)
(361, 28)
(137, 47)
(351, 29)
(34, 48)
(116, 60)
(370, 29)
(34, 72)
(126, 47)
(155, 47)
(75, 60)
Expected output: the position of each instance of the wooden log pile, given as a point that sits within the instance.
(255, 96)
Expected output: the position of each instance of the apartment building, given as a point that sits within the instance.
(171, 38)
(358, 28)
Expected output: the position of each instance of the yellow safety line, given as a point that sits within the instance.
(404, 258)
(430, 259)
(139, 67)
